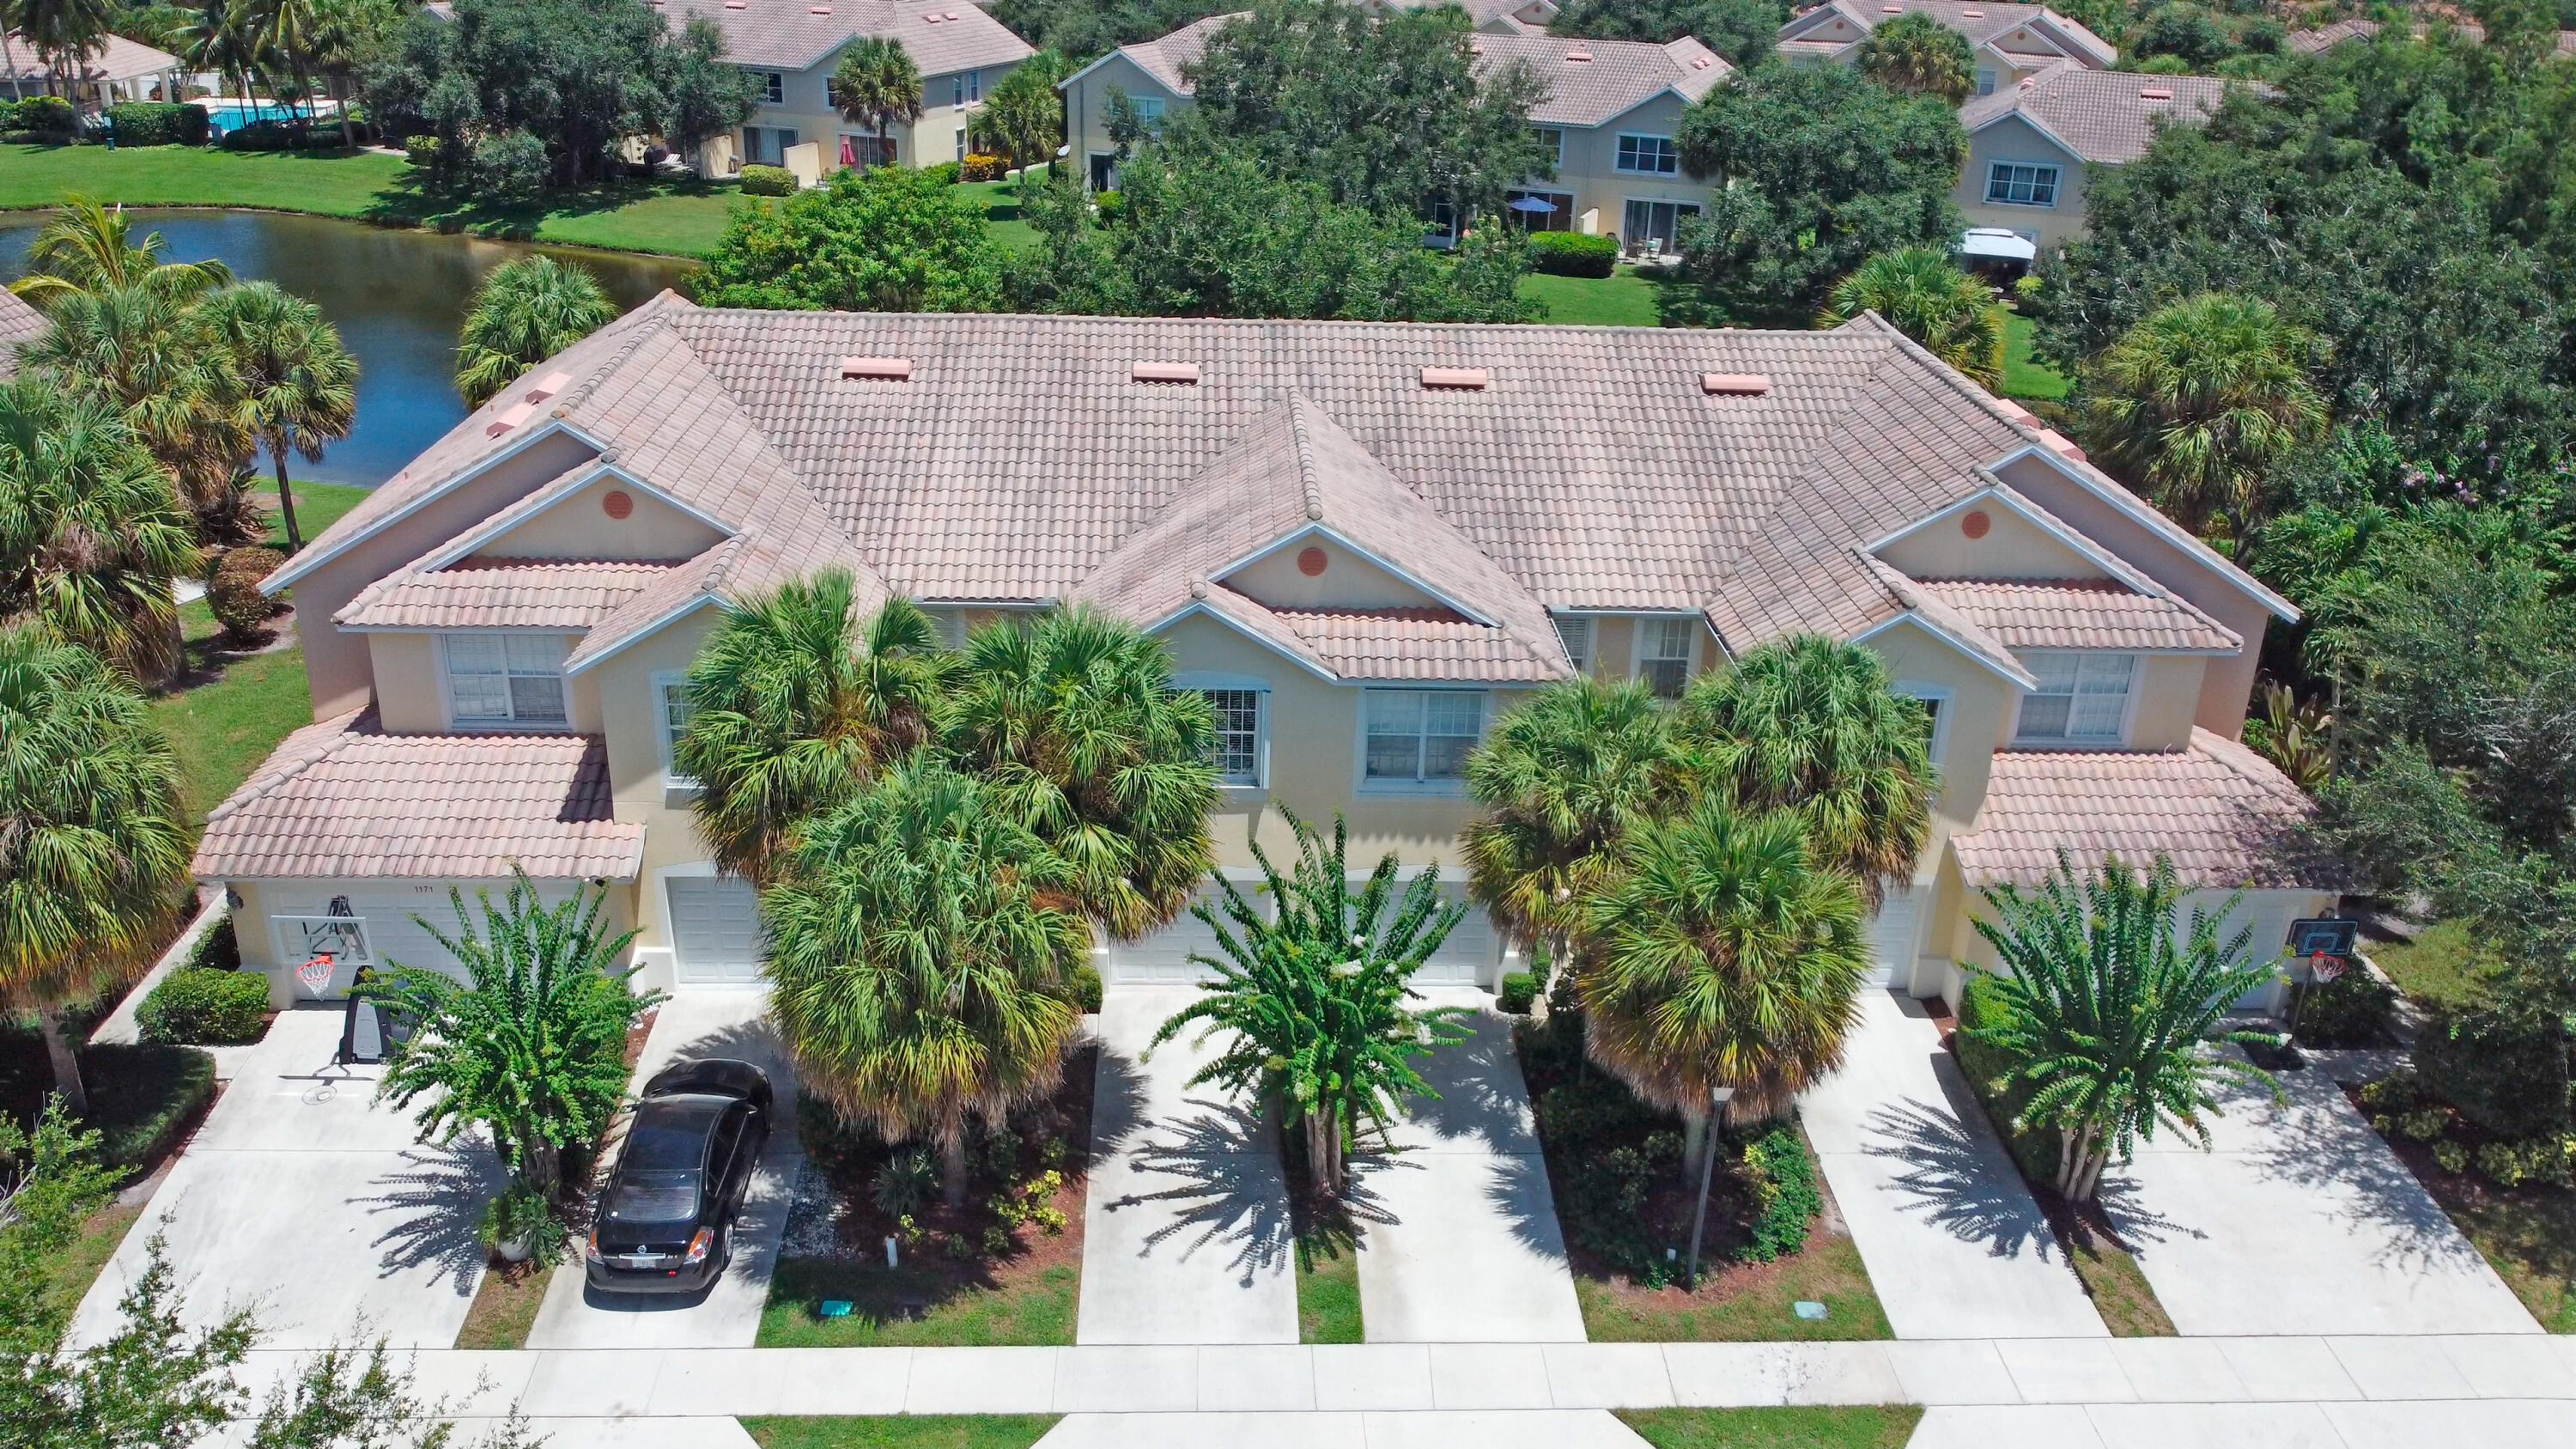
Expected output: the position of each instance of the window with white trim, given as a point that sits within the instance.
(1664, 655)
(1935, 699)
(1420, 736)
(671, 711)
(773, 86)
(1551, 139)
(1149, 111)
(2020, 183)
(1649, 155)
(505, 681)
(2082, 698)
(1577, 636)
(1237, 750)
(1985, 80)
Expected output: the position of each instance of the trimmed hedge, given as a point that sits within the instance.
(1573, 254)
(219, 949)
(233, 594)
(1520, 988)
(421, 152)
(157, 123)
(49, 116)
(768, 181)
(1784, 1177)
(2034, 1151)
(945, 171)
(212, 1008)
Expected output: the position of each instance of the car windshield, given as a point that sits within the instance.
(655, 1197)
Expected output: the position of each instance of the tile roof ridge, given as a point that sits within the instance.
(2244, 760)
(320, 740)
(655, 316)
(1956, 381)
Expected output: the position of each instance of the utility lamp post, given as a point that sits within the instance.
(1718, 1097)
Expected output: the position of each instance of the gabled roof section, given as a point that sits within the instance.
(1913, 603)
(2081, 614)
(19, 323)
(1389, 645)
(1611, 77)
(2100, 116)
(2225, 815)
(942, 36)
(1982, 24)
(1163, 58)
(511, 594)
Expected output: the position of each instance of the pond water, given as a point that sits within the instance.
(396, 296)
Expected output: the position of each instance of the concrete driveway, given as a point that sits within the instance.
(2300, 1221)
(728, 1022)
(1954, 1242)
(1186, 1234)
(301, 1198)
(1459, 1241)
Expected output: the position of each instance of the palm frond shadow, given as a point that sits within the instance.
(1226, 1191)
(1957, 1175)
(435, 1202)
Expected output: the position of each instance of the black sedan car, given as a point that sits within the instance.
(665, 1224)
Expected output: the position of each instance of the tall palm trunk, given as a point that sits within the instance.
(58, 1047)
(348, 133)
(952, 1168)
(285, 495)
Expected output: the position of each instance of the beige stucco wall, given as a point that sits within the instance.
(2168, 701)
(630, 717)
(1589, 168)
(1979, 711)
(2014, 139)
(1349, 580)
(579, 527)
(2013, 548)
(806, 109)
(407, 689)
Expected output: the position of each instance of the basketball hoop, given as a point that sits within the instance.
(316, 973)
(2323, 967)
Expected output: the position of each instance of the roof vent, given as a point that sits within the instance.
(884, 369)
(1699, 62)
(818, 9)
(737, 4)
(930, 18)
(1465, 379)
(1573, 56)
(1734, 384)
(1892, 9)
(548, 385)
(1475, 47)
(1180, 372)
(1972, 15)
(2155, 93)
(510, 417)
(951, 14)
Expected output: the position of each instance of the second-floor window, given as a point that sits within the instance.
(505, 681)
(1237, 756)
(2019, 183)
(1420, 737)
(671, 705)
(2082, 698)
(1664, 655)
(1551, 141)
(773, 86)
(1577, 634)
(1149, 111)
(966, 87)
(1985, 80)
(1649, 156)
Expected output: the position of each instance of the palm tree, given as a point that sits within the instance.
(1923, 294)
(90, 247)
(297, 32)
(1073, 721)
(2198, 401)
(530, 1044)
(66, 33)
(90, 536)
(1564, 778)
(226, 38)
(1725, 953)
(2111, 1017)
(920, 969)
(93, 837)
(299, 386)
(877, 84)
(1809, 725)
(1023, 116)
(794, 706)
(1314, 1000)
(1921, 56)
(153, 356)
(524, 313)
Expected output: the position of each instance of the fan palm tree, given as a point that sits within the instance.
(152, 355)
(1809, 725)
(876, 84)
(524, 313)
(2195, 405)
(90, 247)
(299, 386)
(920, 967)
(1923, 294)
(1023, 116)
(1724, 953)
(1563, 778)
(93, 837)
(225, 38)
(90, 536)
(65, 34)
(1073, 721)
(2111, 1016)
(1920, 56)
(1314, 1000)
(794, 704)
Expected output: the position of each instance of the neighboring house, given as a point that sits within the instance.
(1494, 17)
(2009, 41)
(791, 47)
(19, 322)
(1611, 114)
(125, 70)
(1364, 541)
(2030, 143)
(2327, 37)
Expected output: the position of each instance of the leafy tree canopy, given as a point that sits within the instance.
(1085, 30)
(871, 239)
(1740, 30)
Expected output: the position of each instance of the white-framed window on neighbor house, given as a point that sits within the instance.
(1418, 739)
(773, 86)
(1936, 700)
(1985, 80)
(961, 143)
(505, 681)
(1664, 650)
(966, 87)
(1149, 111)
(1654, 226)
(1648, 155)
(1576, 632)
(671, 716)
(1551, 139)
(2082, 699)
(2021, 183)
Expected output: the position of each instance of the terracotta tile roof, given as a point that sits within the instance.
(1941, 616)
(2225, 815)
(2102, 116)
(790, 35)
(19, 323)
(1977, 21)
(122, 60)
(1163, 58)
(342, 798)
(1428, 644)
(502, 594)
(2080, 614)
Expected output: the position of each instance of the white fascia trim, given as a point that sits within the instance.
(485, 532)
(668, 618)
(1219, 573)
(2139, 513)
(311, 559)
(1198, 608)
(2020, 679)
(2100, 557)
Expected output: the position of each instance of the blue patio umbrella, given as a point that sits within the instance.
(1530, 204)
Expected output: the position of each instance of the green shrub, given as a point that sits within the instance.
(1784, 1183)
(768, 181)
(510, 166)
(521, 1214)
(1520, 988)
(140, 1097)
(219, 949)
(421, 152)
(1108, 206)
(214, 1008)
(946, 172)
(1086, 987)
(2451, 1157)
(2424, 1123)
(2505, 1072)
(51, 117)
(1987, 1069)
(233, 593)
(8, 114)
(1573, 254)
(157, 123)
(2350, 1011)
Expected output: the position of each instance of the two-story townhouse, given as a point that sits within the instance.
(1609, 120)
(791, 47)
(2031, 145)
(1364, 541)
(2008, 41)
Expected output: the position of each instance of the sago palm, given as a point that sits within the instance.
(1724, 953)
(1923, 294)
(877, 84)
(1073, 721)
(152, 356)
(299, 386)
(920, 969)
(794, 704)
(2111, 1015)
(530, 1044)
(87, 246)
(1563, 778)
(93, 835)
(1809, 725)
(1315, 1001)
(524, 313)
(1921, 56)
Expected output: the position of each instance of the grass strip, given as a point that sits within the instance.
(900, 1431)
(1858, 1426)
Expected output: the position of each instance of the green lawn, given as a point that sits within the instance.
(225, 725)
(1001, 203)
(2437, 968)
(1864, 1426)
(2023, 377)
(1623, 299)
(1742, 1302)
(317, 507)
(1036, 1310)
(902, 1431)
(1328, 1290)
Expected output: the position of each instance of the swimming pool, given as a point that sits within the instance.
(231, 115)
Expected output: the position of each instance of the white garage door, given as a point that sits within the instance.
(1163, 957)
(715, 928)
(1892, 935)
(1467, 956)
(391, 921)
